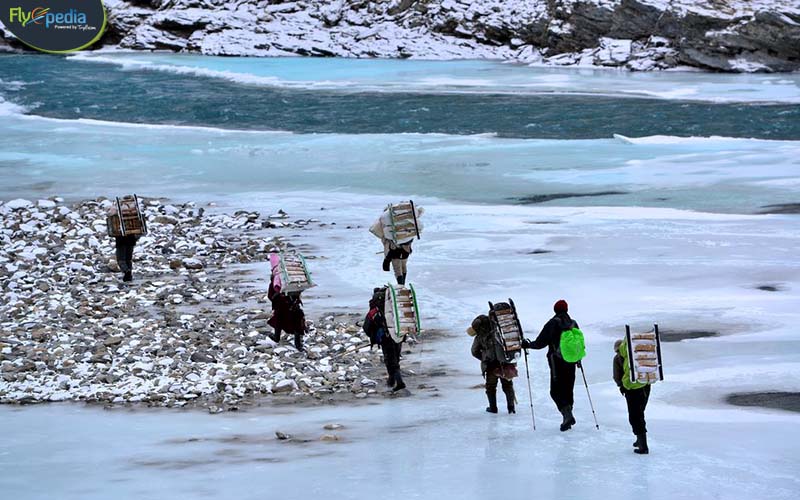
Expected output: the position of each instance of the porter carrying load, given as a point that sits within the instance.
(289, 273)
(126, 218)
(396, 228)
(401, 312)
(637, 365)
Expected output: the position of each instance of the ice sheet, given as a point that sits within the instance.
(463, 76)
(717, 174)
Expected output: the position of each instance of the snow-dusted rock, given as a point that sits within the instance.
(71, 330)
(728, 35)
(19, 204)
(192, 263)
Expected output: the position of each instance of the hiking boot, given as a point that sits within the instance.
(511, 409)
(636, 443)
(128, 276)
(569, 419)
(390, 381)
(642, 448)
(398, 382)
(401, 280)
(492, 408)
(275, 337)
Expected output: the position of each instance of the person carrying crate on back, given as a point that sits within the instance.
(396, 228)
(494, 365)
(125, 222)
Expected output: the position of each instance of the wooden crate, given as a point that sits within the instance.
(401, 312)
(128, 219)
(295, 276)
(403, 225)
(644, 356)
(508, 327)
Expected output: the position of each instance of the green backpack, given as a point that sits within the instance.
(572, 346)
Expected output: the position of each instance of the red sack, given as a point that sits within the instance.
(506, 371)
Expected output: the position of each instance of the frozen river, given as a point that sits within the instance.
(665, 229)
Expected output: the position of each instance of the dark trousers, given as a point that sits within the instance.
(125, 246)
(391, 357)
(507, 385)
(298, 338)
(637, 402)
(562, 381)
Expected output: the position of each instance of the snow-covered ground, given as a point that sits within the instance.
(615, 266)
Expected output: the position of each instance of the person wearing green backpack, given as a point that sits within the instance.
(636, 396)
(562, 368)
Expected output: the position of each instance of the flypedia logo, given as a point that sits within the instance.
(39, 14)
(56, 26)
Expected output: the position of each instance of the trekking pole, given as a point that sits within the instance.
(590, 397)
(530, 393)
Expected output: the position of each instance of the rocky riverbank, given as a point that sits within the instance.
(721, 35)
(190, 330)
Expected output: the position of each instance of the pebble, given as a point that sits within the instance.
(179, 334)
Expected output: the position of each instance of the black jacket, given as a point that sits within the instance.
(550, 336)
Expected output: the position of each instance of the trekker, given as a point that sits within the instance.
(636, 396)
(375, 327)
(288, 316)
(397, 242)
(562, 373)
(124, 249)
(494, 366)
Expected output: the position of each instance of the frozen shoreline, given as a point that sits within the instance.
(706, 279)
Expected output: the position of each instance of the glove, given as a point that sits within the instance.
(526, 344)
(579, 365)
(622, 390)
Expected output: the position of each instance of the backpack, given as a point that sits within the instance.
(572, 346)
(373, 326)
(510, 355)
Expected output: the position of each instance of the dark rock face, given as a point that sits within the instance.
(720, 35)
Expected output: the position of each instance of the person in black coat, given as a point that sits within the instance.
(288, 316)
(124, 246)
(375, 327)
(562, 373)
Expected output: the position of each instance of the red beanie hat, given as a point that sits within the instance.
(560, 306)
